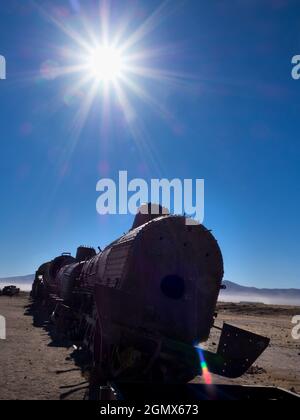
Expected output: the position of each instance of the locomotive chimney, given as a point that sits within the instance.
(85, 253)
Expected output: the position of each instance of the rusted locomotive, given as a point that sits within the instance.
(142, 306)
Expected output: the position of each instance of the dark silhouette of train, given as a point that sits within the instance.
(142, 306)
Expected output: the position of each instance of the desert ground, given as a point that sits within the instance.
(32, 367)
(279, 365)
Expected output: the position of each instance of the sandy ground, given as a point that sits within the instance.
(279, 365)
(32, 367)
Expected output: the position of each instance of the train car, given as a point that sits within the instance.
(142, 306)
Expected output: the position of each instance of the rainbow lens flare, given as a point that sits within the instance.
(205, 371)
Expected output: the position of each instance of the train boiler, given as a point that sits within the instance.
(142, 306)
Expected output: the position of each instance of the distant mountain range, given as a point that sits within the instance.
(236, 293)
(18, 279)
(233, 293)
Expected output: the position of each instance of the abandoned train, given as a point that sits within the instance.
(141, 307)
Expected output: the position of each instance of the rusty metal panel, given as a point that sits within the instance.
(116, 264)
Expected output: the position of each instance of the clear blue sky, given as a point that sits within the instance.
(234, 121)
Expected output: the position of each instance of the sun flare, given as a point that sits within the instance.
(105, 63)
(116, 62)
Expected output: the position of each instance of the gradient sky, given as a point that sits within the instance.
(232, 118)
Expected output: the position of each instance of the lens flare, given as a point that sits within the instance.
(108, 64)
(114, 59)
(205, 371)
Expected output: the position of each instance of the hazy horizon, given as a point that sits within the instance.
(232, 298)
(225, 296)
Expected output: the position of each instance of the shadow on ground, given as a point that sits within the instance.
(41, 319)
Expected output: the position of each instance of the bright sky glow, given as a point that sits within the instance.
(111, 60)
(105, 63)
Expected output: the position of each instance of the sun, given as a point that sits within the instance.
(105, 63)
(114, 63)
